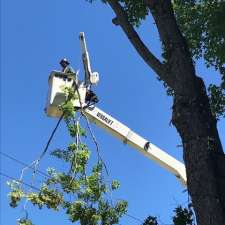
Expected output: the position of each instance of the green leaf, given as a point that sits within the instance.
(15, 197)
(115, 184)
(25, 221)
(183, 216)
(151, 220)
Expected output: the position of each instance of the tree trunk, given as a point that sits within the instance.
(203, 154)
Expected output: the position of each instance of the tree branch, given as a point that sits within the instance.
(165, 20)
(136, 41)
(176, 49)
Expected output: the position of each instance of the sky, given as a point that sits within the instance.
(35, 35)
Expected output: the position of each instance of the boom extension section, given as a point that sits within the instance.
(131, 138)
(90, 77)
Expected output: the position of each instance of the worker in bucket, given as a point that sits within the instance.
(66, 68)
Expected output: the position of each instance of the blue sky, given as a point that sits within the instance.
(35, 35)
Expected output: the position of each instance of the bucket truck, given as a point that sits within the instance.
(56, 96)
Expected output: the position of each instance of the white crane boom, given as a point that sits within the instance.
(131, 138)
(56, 96)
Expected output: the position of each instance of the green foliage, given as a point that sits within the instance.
(169, 90)
(115, 184)
(67, 106)
(51, 198)
(136, 10)
(15, 197)
(151, 221)
(183, 216)
(74, 129)
(25, 221)
(203, 24)
(217, 100)
(16, 193)
(84, 196)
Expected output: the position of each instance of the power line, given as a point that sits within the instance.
(24, 164)
(134, 218)
(19, 181)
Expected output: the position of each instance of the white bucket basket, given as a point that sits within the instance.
(56, 96)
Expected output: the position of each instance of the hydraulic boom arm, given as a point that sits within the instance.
(148, 149)
(56, 96)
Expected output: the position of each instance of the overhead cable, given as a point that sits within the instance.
(24, 164)
(19, 181)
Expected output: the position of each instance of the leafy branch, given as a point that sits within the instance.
(90, 193)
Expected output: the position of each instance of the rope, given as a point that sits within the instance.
(90, 130)
(35, 163)
(50, 138)
(96, 144)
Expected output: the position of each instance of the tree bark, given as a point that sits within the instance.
(203, 154)
(194, 122)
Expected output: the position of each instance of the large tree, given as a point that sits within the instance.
(188, 30)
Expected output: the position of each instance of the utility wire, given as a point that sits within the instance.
(19, 181)
(134, 218)
(24, 164)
